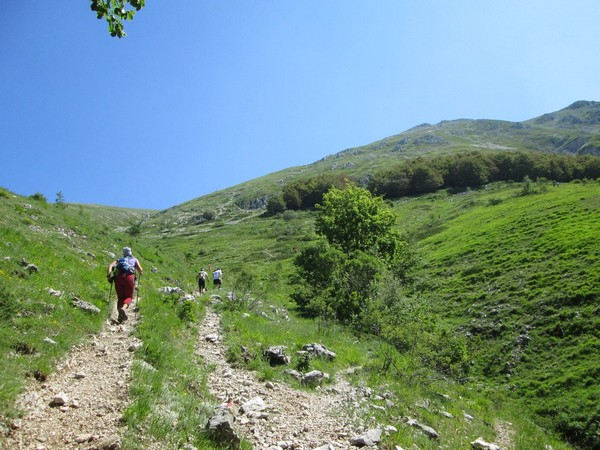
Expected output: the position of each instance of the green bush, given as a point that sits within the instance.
(38, 197)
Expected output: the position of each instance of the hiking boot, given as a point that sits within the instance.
(122, 316)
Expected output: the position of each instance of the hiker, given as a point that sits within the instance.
(217, 278)
(201, 279)
(123, 273)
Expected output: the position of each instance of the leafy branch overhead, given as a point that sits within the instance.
(115, 12)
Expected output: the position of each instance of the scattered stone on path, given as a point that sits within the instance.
(253, 406)
(220, 427)
(59, 399)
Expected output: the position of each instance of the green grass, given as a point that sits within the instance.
(71, 247)
(527, 266)
(493, 265)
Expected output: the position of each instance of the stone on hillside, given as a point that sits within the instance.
(187, 446)
(49, 341)
(220, 428)
(134, 347)
(293, 373)
(86, 306)
(276, 355)
(187, 298)
(314, 377)
(319, 350)
(254, 405)
(481, 444)
(369, 439)
(167, 290)
(211, 337)
(424, 428)
(81, 438)
(59, 399)
(31, 268)
(53, 292)
(147, 366)
(109, 443)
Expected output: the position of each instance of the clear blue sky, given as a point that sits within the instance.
(202, 95)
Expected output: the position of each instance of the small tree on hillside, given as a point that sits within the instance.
(335, 277)
(353, 219)
(60, 200)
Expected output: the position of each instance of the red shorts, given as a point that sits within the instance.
(125, 286)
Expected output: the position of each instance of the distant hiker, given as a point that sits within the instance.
(123, 272)
(217, 278)
(201, 278)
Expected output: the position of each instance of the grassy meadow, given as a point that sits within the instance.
(511, 269)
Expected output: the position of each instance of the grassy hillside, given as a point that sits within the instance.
(511, 269)
(572, 130)
(70, 247)
(520, 275)
(516, 274)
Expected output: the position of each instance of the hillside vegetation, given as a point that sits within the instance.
(573, 130)
(493, 332)
(508, 273)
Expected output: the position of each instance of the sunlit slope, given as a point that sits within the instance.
(520, 275)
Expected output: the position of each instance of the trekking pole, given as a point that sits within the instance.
(137, 297)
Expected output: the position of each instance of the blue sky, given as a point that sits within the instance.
(202, 95)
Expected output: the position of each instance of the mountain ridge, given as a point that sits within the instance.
(574, 129)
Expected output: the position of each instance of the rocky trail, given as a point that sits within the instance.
(79, 406)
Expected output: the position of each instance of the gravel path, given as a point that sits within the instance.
(93, 383)
(292, 419)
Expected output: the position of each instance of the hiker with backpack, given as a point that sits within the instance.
(217, 278)
(123, 273)
(201, 279)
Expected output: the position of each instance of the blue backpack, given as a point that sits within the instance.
(124, 266)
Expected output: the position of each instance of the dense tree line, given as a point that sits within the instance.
(425, 175)
(420, 176)
(305, 193)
